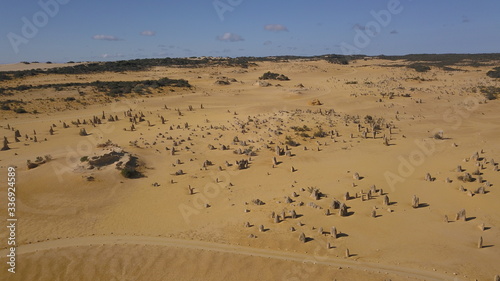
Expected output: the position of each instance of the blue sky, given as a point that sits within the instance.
(90, 30)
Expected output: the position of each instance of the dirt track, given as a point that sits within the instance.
(222, 248)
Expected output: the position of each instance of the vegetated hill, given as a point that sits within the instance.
(111, 88)
(443, 60)
(274, 76)
(419, 67)
(145, 64)
(439, 60)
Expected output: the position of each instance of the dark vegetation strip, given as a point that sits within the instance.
(111, 88)
(146, 64)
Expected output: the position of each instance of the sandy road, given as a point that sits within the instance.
(232, 249)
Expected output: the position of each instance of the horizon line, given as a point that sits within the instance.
(235, 57)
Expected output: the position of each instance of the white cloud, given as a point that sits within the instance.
(109, 56)
(148, 33)
(105, 37)
(230, 37)
(275, 27)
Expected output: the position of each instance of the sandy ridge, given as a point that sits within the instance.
(233, 249)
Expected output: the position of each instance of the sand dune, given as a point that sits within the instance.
(168, 245)
(79, 216)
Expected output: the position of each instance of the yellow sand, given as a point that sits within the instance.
(79, 218)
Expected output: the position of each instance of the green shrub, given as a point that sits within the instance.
(130, 173)
(495, 73)
(319, 133)
(138, 89)
(289, 141)
(273, 76)
(20, 110)
(300, 129)
(490, 96)
(419, 67)
(490, 93)
(5, 77)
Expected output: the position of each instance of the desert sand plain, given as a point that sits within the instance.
(239, 207)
